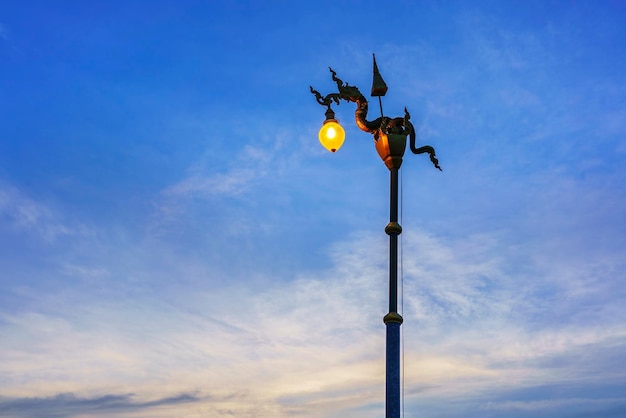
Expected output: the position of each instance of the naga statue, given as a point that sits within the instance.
(381, 125)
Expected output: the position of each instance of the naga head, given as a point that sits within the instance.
(346, 91)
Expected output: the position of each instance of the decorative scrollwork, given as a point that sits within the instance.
(346, 91)
(426, 148)
(327, 100)
(383, 124)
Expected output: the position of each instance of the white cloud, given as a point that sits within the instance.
(26, 214)
(307, 346)
(245, 167)
(233, 182)
(246, 174)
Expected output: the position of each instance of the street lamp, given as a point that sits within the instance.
(390, 141)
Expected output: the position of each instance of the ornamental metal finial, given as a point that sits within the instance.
(379, 87)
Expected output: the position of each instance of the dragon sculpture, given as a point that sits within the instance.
(383, 124)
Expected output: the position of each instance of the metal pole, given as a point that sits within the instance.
(393, 320)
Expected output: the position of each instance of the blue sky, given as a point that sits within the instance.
(174, 242)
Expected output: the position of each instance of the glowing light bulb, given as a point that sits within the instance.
(332, 135)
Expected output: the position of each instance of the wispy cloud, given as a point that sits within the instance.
(243, 168)
(295, 346)
(232, 174)
(26, 214)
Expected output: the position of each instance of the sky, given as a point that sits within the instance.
(175, 242)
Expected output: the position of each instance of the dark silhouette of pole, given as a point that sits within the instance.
(393, 320)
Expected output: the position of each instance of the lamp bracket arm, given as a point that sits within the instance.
(353, 94)
(326, 100)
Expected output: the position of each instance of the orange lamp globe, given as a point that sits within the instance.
(332, 135)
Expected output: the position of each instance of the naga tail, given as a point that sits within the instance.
(426, 148)
(431, 151)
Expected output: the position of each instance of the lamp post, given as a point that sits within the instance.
(390, 136)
